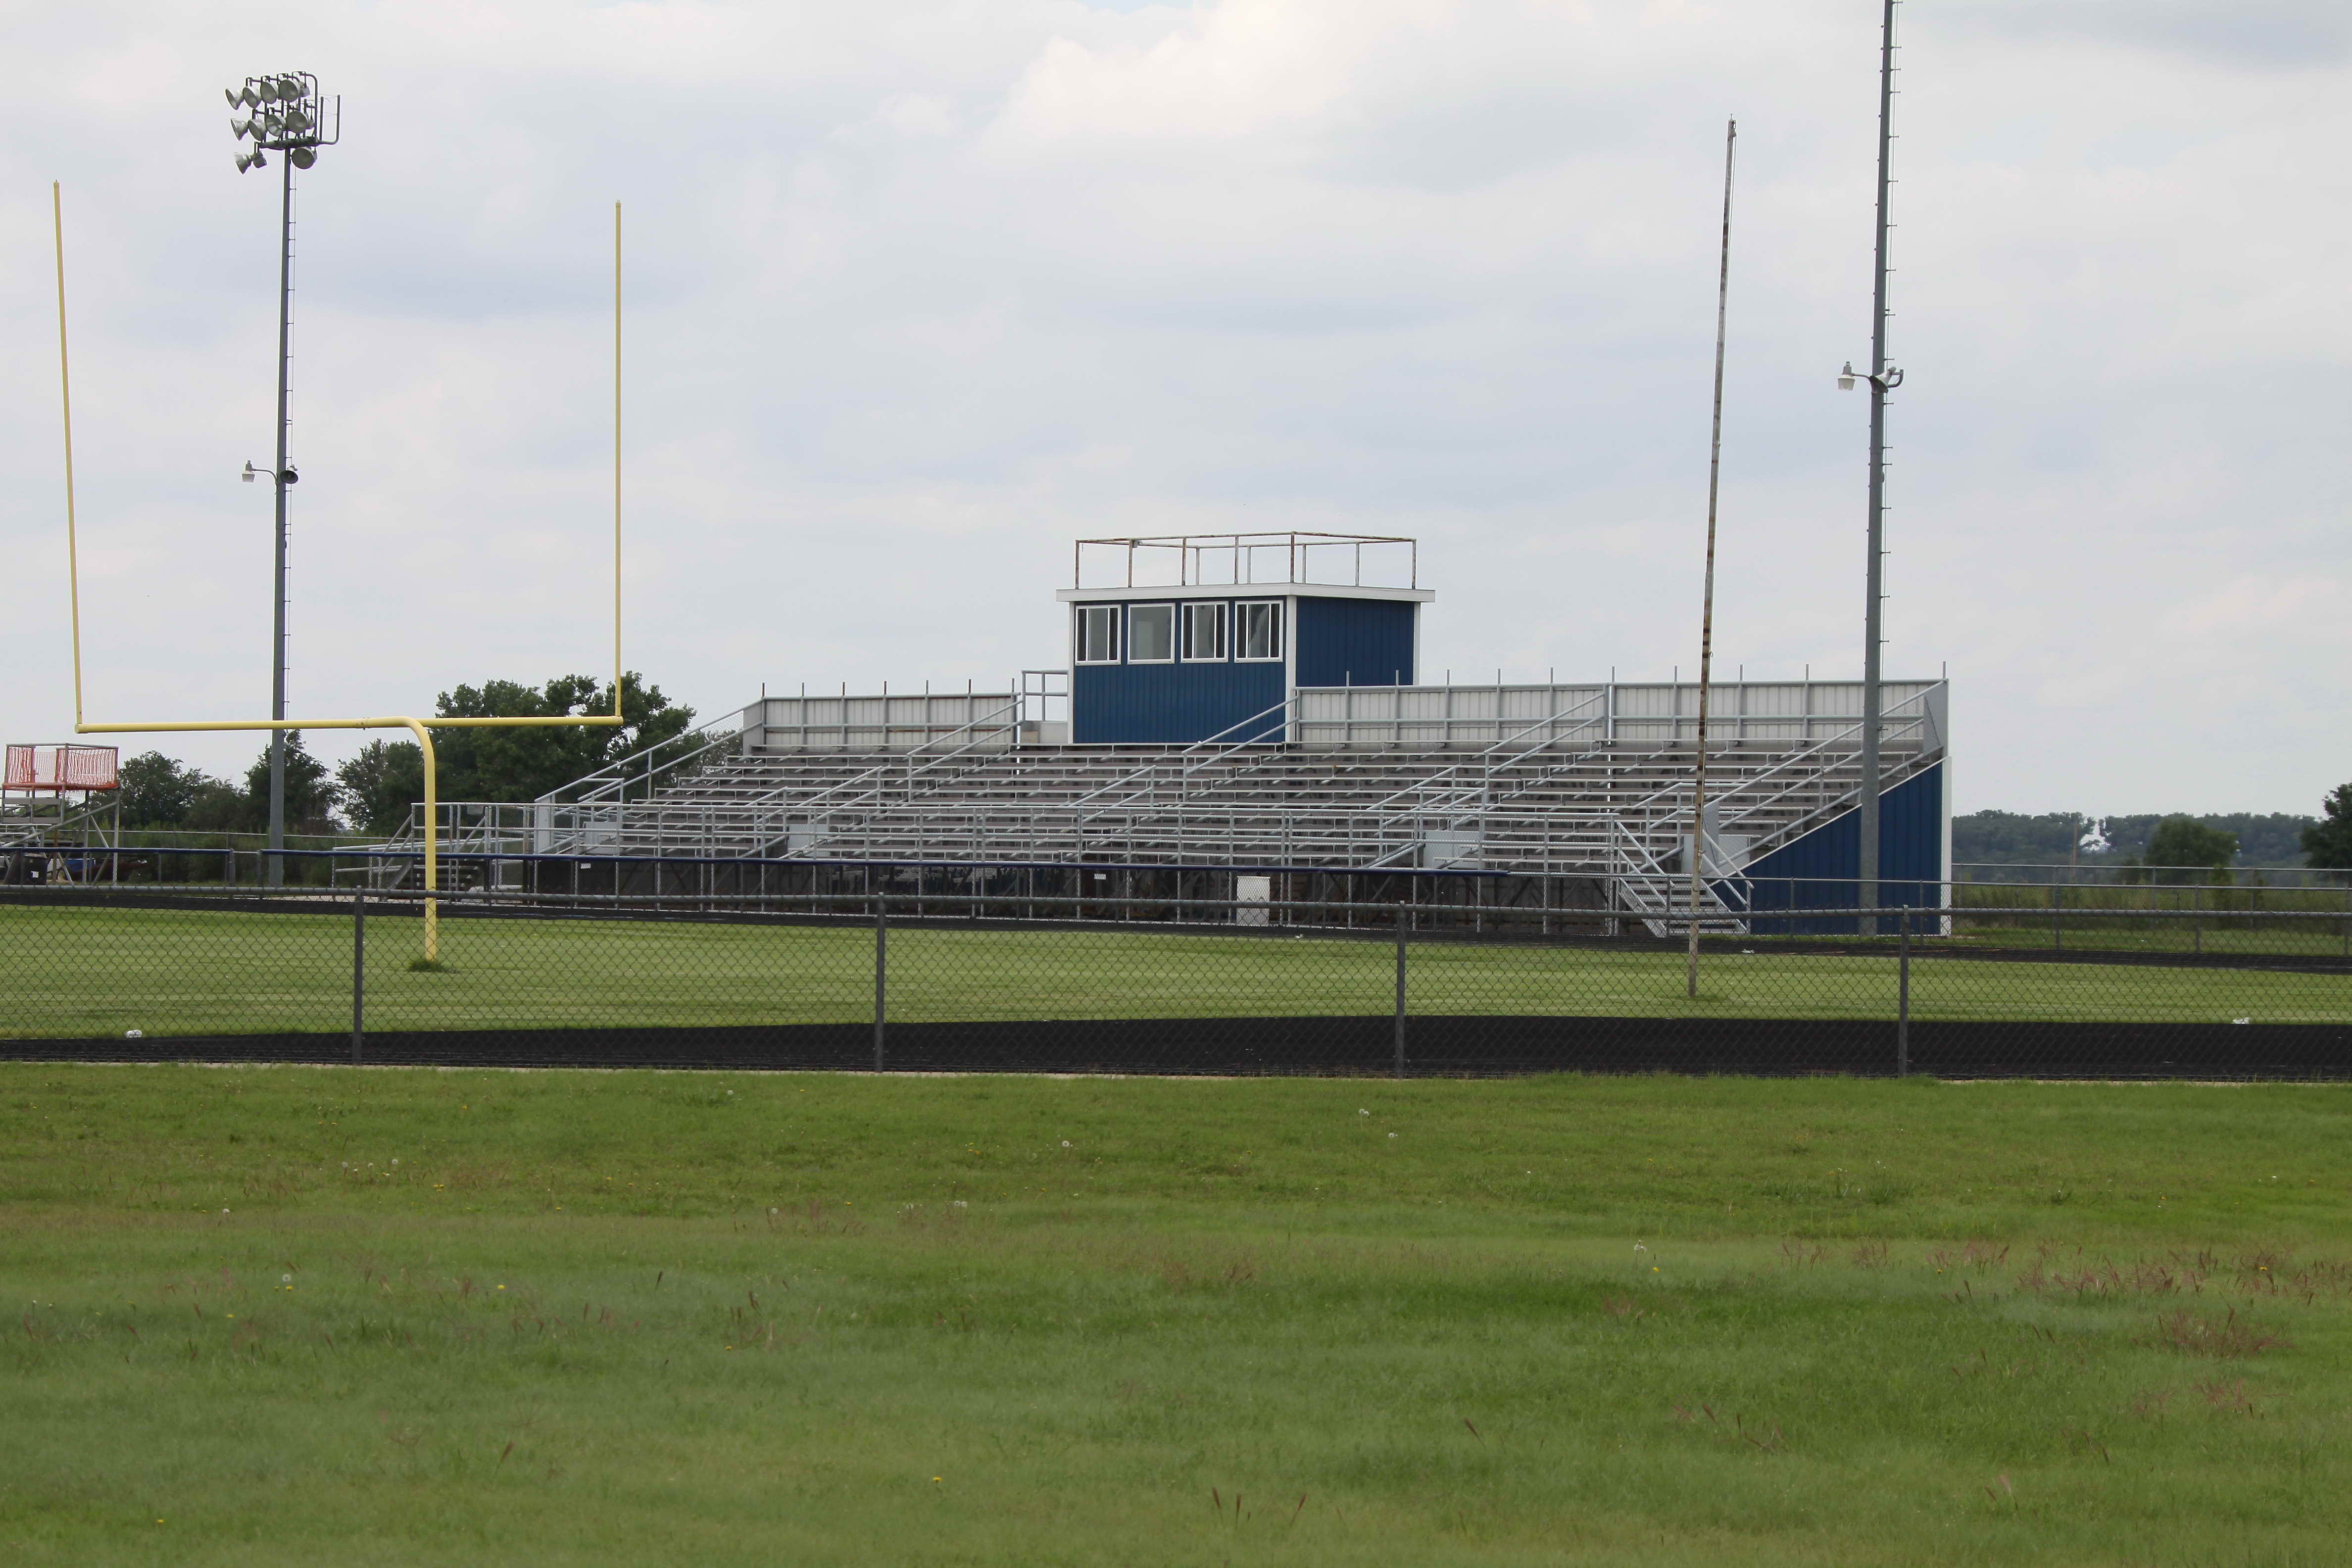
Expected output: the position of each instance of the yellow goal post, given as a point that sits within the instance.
(420, 728)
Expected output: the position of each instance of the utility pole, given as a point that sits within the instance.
(282, 476)
(1883, 378)
(1707, 609)
(286, 113)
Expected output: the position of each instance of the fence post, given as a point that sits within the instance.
(881, 968)
(2197, 921)
(359, 970)
(1400, 993)
(1902, 996)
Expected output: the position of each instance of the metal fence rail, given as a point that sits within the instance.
(888, 979)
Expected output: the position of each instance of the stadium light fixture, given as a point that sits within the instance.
(295, 124)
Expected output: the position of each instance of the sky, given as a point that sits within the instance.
(918, 293)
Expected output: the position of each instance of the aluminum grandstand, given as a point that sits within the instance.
(1253, 708)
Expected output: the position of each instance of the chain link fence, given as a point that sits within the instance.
(1420, 981)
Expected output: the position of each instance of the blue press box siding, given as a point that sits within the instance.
(1133, 704)
(1355, 642)
(1820, 869)
(1334, 642)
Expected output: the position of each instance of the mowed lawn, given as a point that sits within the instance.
(95, 971)
(301, 1316)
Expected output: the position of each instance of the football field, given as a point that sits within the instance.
(290, 1316)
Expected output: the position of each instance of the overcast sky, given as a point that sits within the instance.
(920, 292)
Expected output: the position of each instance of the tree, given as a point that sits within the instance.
(2183, 841)
(2328, 841)
(379, 783)
(310, 792)
(523, 765)
(157, 791)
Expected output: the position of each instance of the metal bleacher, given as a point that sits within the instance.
(1592, 780)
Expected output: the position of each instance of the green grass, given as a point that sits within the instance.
(302, 1316)
(94, 972)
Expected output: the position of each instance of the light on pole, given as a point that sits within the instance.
(1883, 378)
(285, 114)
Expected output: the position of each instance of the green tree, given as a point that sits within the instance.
(379, 783)
(523, 765)
(158, 791)
(2185, 842)
(2328, 841)
(219, 806)
(310, 792)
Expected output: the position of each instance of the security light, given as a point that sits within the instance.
(1845, 377)
(248, 475)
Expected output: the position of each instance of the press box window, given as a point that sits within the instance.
(1151, 634)
(1260, 632)
(1204, 631)
(1099, 634)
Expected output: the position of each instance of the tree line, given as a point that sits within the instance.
(373, 793)
(2210, 843)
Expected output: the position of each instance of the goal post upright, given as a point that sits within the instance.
(420, 728)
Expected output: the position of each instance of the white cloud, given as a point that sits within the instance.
(919, 292)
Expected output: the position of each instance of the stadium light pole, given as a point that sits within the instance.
(1884, 378)
(283, 113)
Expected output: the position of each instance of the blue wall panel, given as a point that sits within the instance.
(1820, 869)
(1112, 704)
(1355, 642)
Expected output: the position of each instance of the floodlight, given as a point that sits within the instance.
(241, 128)
(253, 159)
(235, 96)
(301, 157)
(250, 97)
(297, 121)
(1845, 377)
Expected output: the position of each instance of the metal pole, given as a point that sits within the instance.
(1706, 610)
(359, 969)
(1902, 999)
(1400, 991)
(277, 873)
(881, 968)
(1872, 632)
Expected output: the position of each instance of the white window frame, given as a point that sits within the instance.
(1240, 612)
(1078, 633)
(1225, 617)
(1131, 656)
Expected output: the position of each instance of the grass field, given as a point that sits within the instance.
(300, 1316)
(96, 972)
